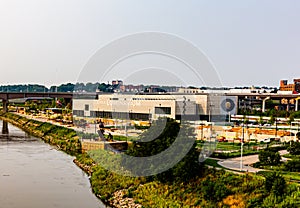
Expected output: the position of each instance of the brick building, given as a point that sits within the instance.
(295, 87)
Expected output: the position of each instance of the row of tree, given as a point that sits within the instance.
(69, 87)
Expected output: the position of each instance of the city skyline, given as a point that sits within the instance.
(248, 43)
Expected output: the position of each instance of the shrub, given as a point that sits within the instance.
(275, 183)
(267, 157)
(294, 148)
(292, 165)
(214, 190)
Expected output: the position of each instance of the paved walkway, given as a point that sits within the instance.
(91, 128)
(235, 163)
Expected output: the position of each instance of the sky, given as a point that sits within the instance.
(249, 42)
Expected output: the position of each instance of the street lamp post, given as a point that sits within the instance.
(149, 117)
(290, 131)
(275, 126)
(242, 143)
(115, 118)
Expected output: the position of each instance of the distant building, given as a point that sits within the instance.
(117, 82)
(295, 87)
(151, 106)
(120, 82)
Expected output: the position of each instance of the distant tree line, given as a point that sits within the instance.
(69, 87)
(78, 87)
(23, 88)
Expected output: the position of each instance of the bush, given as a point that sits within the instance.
(267, 157)
(294, 148)
(275, 183)
(214, 190)
(292, 165)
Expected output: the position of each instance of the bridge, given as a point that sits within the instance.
(6, 96)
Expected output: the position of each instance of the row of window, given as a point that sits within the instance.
(145, 99)
(114, 115)
(153, 99)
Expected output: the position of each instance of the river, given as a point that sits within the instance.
(33, 175)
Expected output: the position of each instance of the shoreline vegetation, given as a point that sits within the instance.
(212, 188)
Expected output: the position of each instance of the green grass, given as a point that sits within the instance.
(124, 138)
(228, 146)
(212, 162)
(288, 175)
(229, 150)
(291, 156)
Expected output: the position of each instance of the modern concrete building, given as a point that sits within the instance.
(210, 107)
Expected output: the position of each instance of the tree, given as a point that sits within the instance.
(291, 118)
(268, 157)
(294, 148)
(272, 119)
(66, 88)
(166, 131)
(261, 120)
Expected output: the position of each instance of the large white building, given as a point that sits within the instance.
(151, 106)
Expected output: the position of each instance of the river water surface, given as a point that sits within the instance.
(34, 175)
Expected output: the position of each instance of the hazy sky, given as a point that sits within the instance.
(50, 41)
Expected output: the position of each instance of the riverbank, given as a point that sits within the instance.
(63, 138)
(211, 188)
(34, 174)
(66, 140)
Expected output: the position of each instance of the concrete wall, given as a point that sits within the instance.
(93, 145)
(191, 104)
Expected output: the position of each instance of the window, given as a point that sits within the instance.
(163, 110)
(86, 107)
(78, 113)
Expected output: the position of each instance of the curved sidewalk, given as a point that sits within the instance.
(234, 163)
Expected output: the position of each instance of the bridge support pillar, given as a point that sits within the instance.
(4, 127)
(4, 105)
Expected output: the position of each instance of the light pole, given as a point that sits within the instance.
(242, 143)
(290, 131)
(95, 123)
(275, 126)
(149, 117)
(115, 118)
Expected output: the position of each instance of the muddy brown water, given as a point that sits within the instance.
(33, 174)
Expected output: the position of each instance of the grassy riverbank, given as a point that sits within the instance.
(63, 138)
(212, 188)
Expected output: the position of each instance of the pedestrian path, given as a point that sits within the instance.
(235, 163)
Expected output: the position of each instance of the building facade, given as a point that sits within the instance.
(295, 87)
(152, 106)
